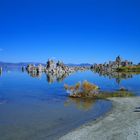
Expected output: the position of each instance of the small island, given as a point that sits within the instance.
(89, 90)
(55, 68)
(112, 66)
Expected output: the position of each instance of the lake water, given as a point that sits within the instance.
(38, 108)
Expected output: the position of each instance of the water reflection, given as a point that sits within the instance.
(35, 74)
(81, 104)
(0, 73)
(118, 76)
(34, 105)
(51, 78)
(56, 77)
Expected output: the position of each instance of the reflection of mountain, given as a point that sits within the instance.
(81, 104)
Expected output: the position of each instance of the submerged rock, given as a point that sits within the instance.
(123, 89)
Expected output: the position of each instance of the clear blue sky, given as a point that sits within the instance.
(74, 31)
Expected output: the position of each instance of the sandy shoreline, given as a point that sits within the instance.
(122, 123)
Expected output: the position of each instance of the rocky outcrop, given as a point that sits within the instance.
(112, 65)
(35, 69)
(57, 68)
(54, 68)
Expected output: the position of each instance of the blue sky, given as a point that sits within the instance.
(75, 31)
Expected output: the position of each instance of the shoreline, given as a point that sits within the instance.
(122, 122)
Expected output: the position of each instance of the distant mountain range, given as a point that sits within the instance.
(8, 64)
(15, 66)
(82, 65)
(21, 64)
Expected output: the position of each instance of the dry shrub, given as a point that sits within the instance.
(85, 89)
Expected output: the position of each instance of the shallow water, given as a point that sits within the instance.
(38, 108)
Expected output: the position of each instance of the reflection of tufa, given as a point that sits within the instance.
(118, 76)
(23, 69)
(0, 70)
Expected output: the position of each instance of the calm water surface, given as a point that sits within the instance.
(39, 109)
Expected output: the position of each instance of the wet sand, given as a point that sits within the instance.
(121, 123)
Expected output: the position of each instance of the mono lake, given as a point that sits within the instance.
(37, 107)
